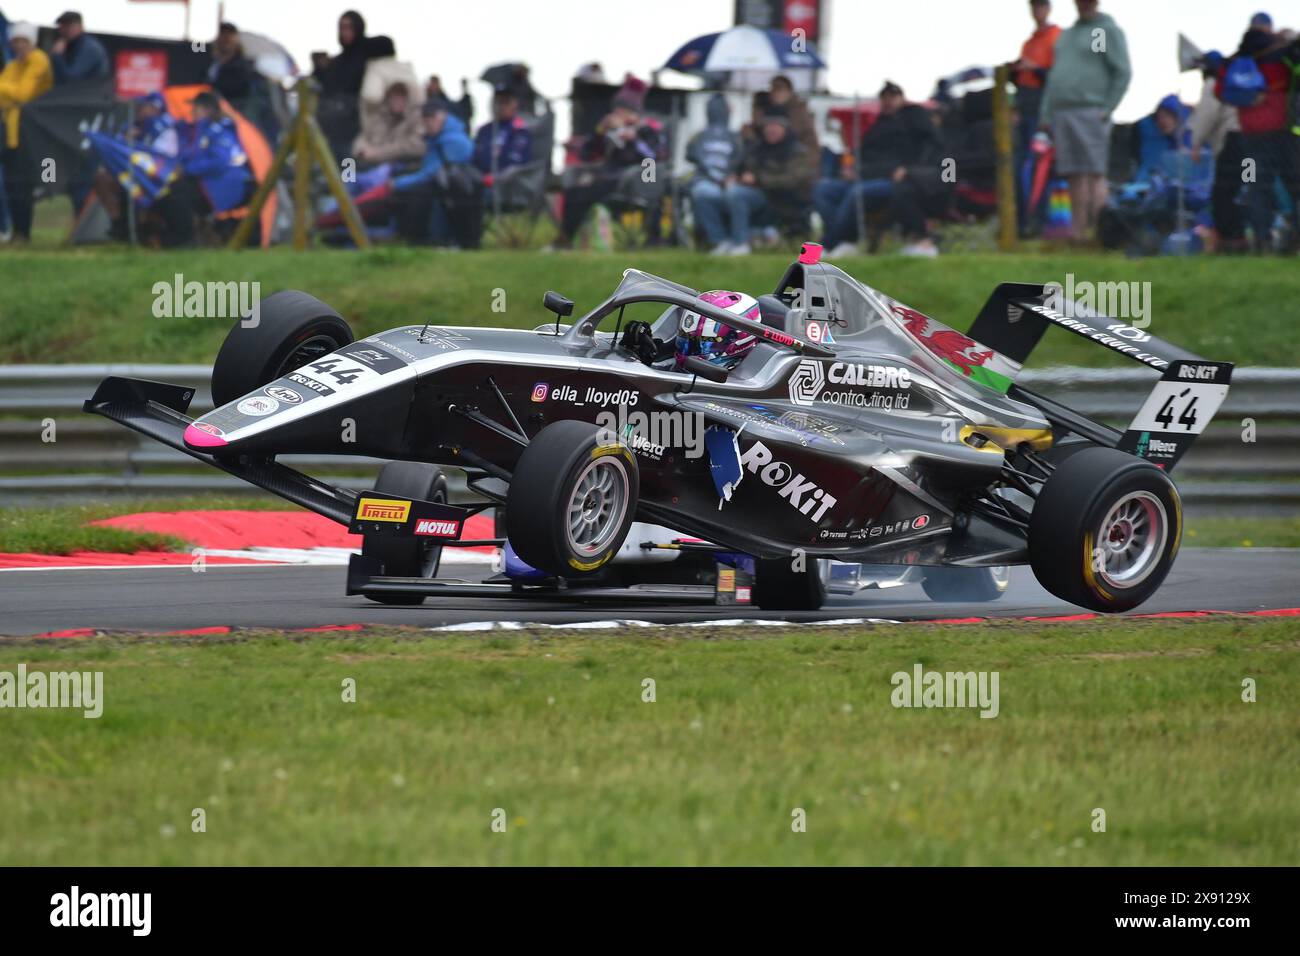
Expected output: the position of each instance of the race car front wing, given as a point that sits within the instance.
(158, 410)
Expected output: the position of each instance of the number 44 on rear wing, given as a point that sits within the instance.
(1181, 405)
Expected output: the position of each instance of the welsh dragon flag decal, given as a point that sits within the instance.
(975, 361)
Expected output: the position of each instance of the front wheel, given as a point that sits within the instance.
(290, 329)
(572, 499)
(1105, 530)
(407, 557)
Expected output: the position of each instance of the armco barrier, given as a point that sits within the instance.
(95, 457)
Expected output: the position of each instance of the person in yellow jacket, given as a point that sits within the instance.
(25, 77)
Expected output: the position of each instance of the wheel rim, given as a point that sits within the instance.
(597, 506)
(1131, 539)
(305, 351)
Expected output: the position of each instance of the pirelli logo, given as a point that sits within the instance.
(383, 509)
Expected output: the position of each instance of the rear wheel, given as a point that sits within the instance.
(572, 499)
(965, 585)
(779, 587)
(292, 329)
(1105, 529)
(407, 557)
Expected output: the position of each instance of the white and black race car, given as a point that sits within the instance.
(858, 430)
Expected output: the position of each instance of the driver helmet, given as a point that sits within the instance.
(715, 342)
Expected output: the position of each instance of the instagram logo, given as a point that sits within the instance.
(539, 391)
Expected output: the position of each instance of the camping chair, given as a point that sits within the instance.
(632, 192)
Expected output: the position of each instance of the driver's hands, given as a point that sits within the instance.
(638, 340)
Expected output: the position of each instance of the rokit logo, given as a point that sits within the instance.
(806, 382)
(320, 388)
(807, 497)
(1199, 372)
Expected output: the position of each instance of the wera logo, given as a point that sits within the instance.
(102, 909)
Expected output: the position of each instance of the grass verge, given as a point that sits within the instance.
(97, 305)
(1144, 720)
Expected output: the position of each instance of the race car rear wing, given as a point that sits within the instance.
(1179, 407)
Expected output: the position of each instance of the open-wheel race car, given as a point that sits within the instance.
(843, 426)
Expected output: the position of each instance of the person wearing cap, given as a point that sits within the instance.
(506, 141)
(235, 78)
(780, 99)
(1214, 126)
(76, 55)
(1090, 76)
(615, 156)
(774, 184)
(217, 177)
(902, 143)
(24, 78)
(1029, 74)
(1266, 134)
(716, 153)
(440, 201)
(154, 127)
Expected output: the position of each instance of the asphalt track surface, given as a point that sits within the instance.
(280, 596)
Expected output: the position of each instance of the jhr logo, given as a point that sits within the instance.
(539, 391)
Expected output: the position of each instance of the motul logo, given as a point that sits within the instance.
(436, 528)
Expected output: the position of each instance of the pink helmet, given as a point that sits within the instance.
(713, 341)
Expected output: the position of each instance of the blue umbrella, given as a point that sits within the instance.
(146, 175)
(744, 49)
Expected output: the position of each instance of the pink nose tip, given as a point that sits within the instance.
(196, 437)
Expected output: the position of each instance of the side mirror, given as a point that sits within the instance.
(705, 369)
(558, 304)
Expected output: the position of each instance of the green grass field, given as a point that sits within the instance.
(1143, 720)
(96, 305)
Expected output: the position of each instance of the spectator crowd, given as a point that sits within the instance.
(1222, 174)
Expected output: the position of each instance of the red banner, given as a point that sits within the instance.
(139, 72)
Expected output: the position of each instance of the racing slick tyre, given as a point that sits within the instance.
(293, 328)
(407, 557)
(965, 585)
(1105, 529)
(572, 499)
(778, 587)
